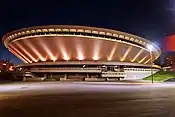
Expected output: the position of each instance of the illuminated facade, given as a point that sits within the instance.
(72, 50)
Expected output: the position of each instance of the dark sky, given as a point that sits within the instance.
(152, 19)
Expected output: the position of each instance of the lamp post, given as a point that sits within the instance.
(150, 48)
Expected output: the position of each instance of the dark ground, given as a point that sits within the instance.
(55, 99)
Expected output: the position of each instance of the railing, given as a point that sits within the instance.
(65, 68)
(80, 31)
(113, 74)
(139, 69)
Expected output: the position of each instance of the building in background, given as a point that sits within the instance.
(169, 60)
(6, 66)
(81, 52)
(168, 49)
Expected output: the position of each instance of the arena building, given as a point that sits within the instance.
(81, 52)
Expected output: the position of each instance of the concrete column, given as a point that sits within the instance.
(51, 75)
(99, 75)
(65, 76)
(24, 78)
(87, 76)
(45, 75)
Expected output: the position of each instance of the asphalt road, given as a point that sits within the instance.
(79, 99)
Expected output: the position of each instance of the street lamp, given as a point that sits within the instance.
(150, 48)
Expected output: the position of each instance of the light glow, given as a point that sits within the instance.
(80, 56)
(19, 53)
(95, 58)
(63, 51)
(18, 56)
(51, 56)
(147, 61)
(142, 59)
(126, 53)
(40, 57)
(137, 55)
(112, 53)
(4, 64)
(66, 57)
(150, 47)
(27, 53)
(11, 68)
(96, 50)
(79, 51)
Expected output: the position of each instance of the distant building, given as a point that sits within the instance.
(169, 62)
(168, 55)
(6, 66)
(169, 59)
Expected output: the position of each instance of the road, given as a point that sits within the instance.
(87, 99)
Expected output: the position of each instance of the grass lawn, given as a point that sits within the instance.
(161, 76)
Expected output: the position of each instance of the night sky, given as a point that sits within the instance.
(152, 19)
